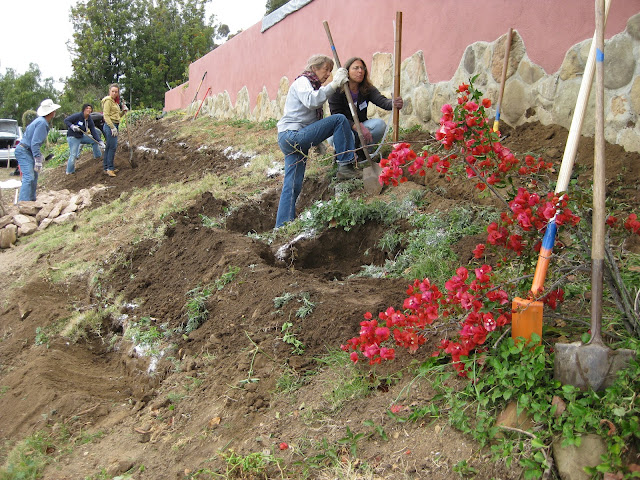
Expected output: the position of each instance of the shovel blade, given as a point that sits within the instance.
(370, 175)
(589, 365)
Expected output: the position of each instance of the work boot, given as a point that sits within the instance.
(111, 173)
(348, 172)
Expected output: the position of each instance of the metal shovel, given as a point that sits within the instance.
(594, 365)
(371, 173)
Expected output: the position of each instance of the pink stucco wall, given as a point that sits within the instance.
(441, 29)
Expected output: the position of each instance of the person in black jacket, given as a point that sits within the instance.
(362, 92)
(79, 125)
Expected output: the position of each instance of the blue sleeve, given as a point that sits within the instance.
(69, 120)
(39, 136)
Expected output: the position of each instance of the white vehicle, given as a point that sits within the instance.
(10, 136)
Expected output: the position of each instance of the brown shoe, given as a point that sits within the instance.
(111, 173)
(348, 172)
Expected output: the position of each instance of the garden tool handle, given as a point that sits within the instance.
(571, 147)
(347, 94)
(503, 80)
(599, 184)
(396, 81)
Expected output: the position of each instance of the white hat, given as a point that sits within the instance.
(46, 107)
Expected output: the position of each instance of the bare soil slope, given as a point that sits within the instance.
(216, 388)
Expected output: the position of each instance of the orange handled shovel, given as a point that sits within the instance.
(527, 312)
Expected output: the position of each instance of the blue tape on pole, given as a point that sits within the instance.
(599, 55)
(333, 48)
(498, 115)
(549, 236)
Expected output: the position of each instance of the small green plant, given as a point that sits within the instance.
(196, 308)
(281, 301)
(465, 470)
(251, 465)
(227, 277)
(42, 337)
(208, 222)
(351, 441)
(144, 333)
(305, 309)
(307, 306)
(289, 337)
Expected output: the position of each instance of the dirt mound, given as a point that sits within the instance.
(220, 386)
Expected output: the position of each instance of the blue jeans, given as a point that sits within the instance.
(295, 145)
(29, 175)
(74, 151)
(376, 126)
(111, 143)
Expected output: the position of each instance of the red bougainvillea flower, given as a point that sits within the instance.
(612, 221)
(632, 224)
(284, 446)
(479, 250)
(486, 103)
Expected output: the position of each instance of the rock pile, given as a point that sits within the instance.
(51, 207)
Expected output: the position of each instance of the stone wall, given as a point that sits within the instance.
(530, 93)
(54, 207)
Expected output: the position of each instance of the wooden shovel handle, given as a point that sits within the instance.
(347, 93)
(503, 80)
(396, 82)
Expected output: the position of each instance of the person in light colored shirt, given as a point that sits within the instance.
(302, 125)
(28, 152)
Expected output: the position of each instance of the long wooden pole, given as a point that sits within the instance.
(503, 80)
(397, 60)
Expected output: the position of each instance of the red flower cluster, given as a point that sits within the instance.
(632, 224)
(481, 306)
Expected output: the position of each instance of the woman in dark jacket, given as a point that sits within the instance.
(79, 125)
(362, 92)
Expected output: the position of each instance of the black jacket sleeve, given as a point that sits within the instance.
(380, 100)
(73, 120)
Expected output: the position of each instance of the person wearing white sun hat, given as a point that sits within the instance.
(28, 151)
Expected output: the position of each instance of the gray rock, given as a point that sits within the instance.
(8, 236)
(572, 460)
(27, 229)
(515, 101)
(6, 220)
(515, 56)
(469, 60)
(572, 65)
(21, 220)
(619, 62)
(633, 26)
(529, 72)
(29, 208)
(634, 95)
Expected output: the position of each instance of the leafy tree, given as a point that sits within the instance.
(274, 5)
(19, 93)
(144, 45)
(102, 39)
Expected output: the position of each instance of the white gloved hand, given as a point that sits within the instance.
(340, 78)
(101, 145)
(114, 132)
(76, 128)
(38, 165)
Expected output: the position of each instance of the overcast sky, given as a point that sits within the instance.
(37, 31)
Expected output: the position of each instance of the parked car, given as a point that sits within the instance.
(10, 136)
